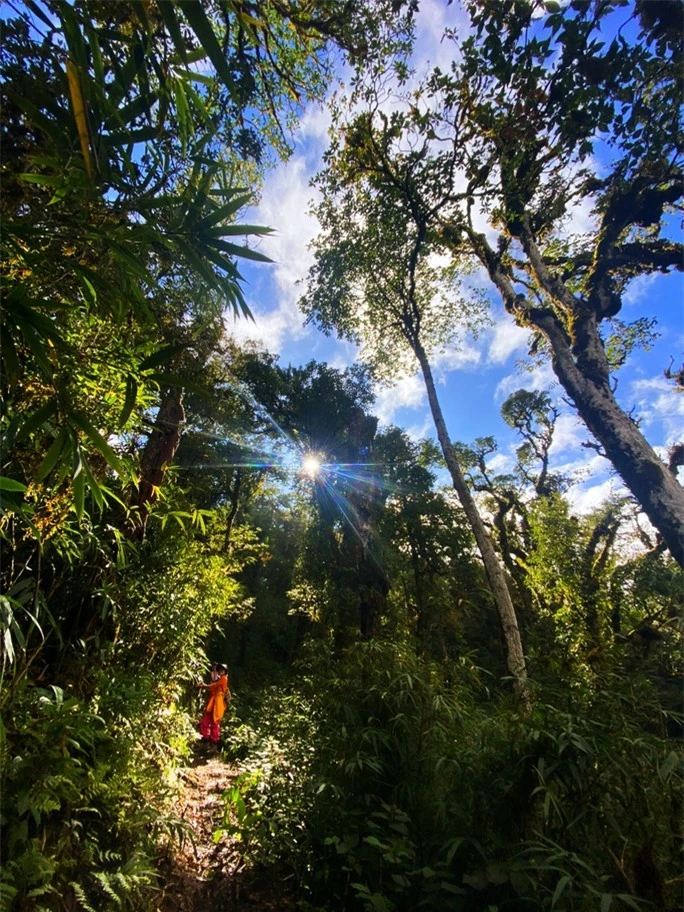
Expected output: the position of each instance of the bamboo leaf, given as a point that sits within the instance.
(168, 14)
(182, 113)
(204, 31)
(10, 358)
(45, 180)
(79, 494)
(79, 109)
(9, 484)
(53, 454)
(39, 14)
(244, 252)
(560, 887)
(129, 137)
(230, 230)
(176, 380)
(225, 212)
(97, 440)
(194, 77)
(93, 485)
(129, 401)
(37, 418)
(161, 356)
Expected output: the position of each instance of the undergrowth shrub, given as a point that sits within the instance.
(79, 829)
(87, 763)
(384, 782)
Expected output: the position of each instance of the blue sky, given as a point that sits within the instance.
(474, 381)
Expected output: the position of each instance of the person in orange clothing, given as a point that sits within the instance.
(219, 697)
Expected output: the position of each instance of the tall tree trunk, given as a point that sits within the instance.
(647, 477)
(579, 361)
(515, 657)
(158, 454)
(234, 497)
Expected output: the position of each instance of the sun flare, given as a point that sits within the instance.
(311, 466)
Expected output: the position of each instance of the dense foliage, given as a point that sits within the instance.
(158, 506)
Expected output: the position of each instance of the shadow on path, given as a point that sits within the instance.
(203, 874)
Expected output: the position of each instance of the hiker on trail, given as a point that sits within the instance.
(219, 697)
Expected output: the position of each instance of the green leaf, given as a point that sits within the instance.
(53, 454)
(79, 494)
(194, 77)
(560, 887)
(129, 137)
(204, 31)
(454, 847)
(9, 484)
(185, 125)
(229, 230)
(671, 762)
(161, 356)
(223, 213)
(42, 179)
(97, 440)
(39, 14)
(129, 401)
(168, 14)
(95, 488)
(630, 901)
(244, 252)
(9, 356)
(176, 380)
(37, 419)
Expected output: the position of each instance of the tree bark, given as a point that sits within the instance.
(647, 477)
(234, 497)
(515, 657)
(158, 454)
(579, 361)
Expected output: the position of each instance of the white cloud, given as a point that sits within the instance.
(589, 497)
(346, 354)
(507, 338)
(580, 467)
(314, 126)
(431, 49)
(579, 216)
(270, 329)
(409, 392)
(422, 429)
(454, 358)
(541, 377)
(659, 403)
(638, 289)
(568, 434)
(500, 464)
(285, 205)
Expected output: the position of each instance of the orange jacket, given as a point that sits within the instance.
(216, 704)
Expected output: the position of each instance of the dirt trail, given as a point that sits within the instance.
(204, 874)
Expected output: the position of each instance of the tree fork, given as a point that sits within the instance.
(647, 477)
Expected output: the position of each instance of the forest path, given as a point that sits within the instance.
(204, 874)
